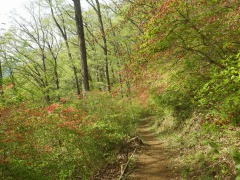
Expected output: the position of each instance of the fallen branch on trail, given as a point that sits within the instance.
(134, 140)
(123, 168)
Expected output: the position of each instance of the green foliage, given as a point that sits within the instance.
(62, 142)
(199, 62)
(236, 157)
(179, 102)
(221, 93)
(178, 95)
(193, 46)
(11, 96)
(214, 147)
(238, 170)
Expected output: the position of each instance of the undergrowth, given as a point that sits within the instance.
(205, 150)
(68, 140)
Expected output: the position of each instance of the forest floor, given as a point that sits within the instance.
(154, 160)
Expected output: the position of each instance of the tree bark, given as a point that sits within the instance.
(46, 85)
(1, 79)
(105, 49)
(82, 46)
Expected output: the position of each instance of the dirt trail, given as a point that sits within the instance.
(153, 162)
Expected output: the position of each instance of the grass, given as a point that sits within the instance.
(203, 150)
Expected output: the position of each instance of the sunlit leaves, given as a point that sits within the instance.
(222, 91)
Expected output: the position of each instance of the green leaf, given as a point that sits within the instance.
(213, 144)
(236, 159)
(216, 151)
(236, 156)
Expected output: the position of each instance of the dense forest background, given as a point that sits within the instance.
(75, 82)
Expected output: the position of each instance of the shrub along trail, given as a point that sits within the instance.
(154, 160)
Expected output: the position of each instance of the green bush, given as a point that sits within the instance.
(220, 95)
(63, 141)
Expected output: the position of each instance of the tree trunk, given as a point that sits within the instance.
(1, 79)
(73, 67)
(105, 49)
(56, 74)
(46, 85)
(82, 46)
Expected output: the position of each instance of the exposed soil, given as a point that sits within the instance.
(154, 159)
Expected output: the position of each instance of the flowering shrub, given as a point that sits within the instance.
(51, 108)
(61, 141)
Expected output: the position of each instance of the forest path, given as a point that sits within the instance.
(154, 160)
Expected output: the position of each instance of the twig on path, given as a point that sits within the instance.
(126, 165)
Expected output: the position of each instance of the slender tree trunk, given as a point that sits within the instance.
(121, 85)
(82, 46)
(46, 85)
(55, 69)
(1, 79)
(105, 49)
(73, 67)
(12, 78)
(56, 74)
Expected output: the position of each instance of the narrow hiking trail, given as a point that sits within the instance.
(153, 160)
